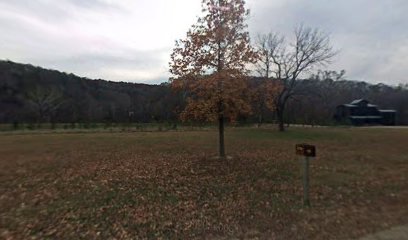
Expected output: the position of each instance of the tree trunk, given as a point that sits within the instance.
(281, 123)
(260, 119)
(221, 135)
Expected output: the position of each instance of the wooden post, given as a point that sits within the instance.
(307, 151)
(221, 136)
(306, 201)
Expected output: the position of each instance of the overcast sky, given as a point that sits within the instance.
(131, 40)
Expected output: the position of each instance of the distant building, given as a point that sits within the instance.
(361, 112)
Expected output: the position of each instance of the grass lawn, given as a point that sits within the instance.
(170, 185)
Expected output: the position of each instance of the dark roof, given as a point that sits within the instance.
(357, 101)
(354, 105)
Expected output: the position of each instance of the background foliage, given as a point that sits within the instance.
(73, 99)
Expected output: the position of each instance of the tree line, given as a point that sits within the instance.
(31, 94)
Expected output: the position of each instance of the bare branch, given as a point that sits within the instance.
(286, 62)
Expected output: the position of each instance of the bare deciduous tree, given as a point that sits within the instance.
(285, 61)
(44, 102)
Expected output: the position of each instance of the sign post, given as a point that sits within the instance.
(307, 151)
(306, 201)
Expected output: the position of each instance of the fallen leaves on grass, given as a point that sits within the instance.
(124, 188)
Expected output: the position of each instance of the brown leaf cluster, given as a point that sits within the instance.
(203, 105)
(209, 66)
(266, 93)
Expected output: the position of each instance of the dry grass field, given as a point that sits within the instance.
(171, 185)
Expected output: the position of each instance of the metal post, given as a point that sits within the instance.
(306, 201)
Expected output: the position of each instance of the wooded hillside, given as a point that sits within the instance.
(31, 94)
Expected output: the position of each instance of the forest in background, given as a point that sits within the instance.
(30, 94)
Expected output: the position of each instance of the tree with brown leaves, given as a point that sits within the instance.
(264, 92)
(210, 65)
(285, 62)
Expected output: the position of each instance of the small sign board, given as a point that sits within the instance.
(306, 150)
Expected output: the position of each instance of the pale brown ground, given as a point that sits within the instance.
(169, 185)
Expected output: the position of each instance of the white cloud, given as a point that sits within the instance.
(130, 40)
(98, 39)
(370, 34)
